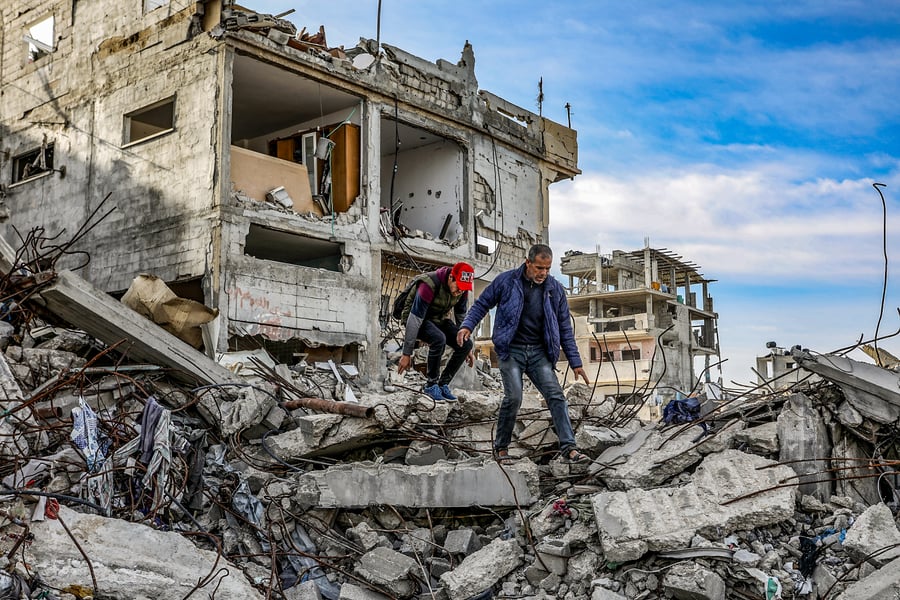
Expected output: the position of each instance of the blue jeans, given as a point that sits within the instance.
(531, 361)
(438, 336)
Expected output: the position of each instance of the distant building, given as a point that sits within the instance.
(642, 318)
(778, 370)
(293, 186)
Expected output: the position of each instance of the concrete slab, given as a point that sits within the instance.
(324, 434)
(168, 569)
(635, 522)
(653, 455)
(444, 484)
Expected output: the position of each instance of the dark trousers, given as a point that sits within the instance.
(438, 336)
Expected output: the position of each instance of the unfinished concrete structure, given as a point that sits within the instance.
(640, 323)
(292, 186)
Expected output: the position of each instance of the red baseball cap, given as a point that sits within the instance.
(464, 275)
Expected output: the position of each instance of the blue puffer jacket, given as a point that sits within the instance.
(507, 294)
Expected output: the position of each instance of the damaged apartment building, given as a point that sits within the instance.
(641, 324)
(291, 186)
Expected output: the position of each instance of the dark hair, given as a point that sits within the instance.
(542, 250)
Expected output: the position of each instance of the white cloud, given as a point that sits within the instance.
(756, 223)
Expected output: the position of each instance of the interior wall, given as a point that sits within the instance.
(428, 186)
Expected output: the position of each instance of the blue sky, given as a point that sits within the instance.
(744, 136)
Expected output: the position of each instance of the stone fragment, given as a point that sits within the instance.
(874, 535)
(481, 570)
(762, 439)
(462, 541)
(634, 522)
(351, 591)
(422, 453)
(389, 570)
(691, 581)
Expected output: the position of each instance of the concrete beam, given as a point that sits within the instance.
(88, 308)
(470, 483)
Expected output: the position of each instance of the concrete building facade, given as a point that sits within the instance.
(292, 186)
(640, 323)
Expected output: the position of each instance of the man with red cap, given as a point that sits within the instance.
(426, 314)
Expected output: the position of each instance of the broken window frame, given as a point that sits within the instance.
(129, 121)
(39, 43)
(40, 158)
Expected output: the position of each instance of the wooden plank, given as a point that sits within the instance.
(92, 310)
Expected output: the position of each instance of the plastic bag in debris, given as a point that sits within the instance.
(292, 565)
(84, 434)
(681, 410)
(771, 585)
(13, 587)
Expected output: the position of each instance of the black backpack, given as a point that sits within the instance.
(400, 300)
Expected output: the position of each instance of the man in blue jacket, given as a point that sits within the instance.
(532, 323)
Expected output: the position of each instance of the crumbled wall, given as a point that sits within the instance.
(161, 188)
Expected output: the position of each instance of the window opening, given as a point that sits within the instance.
(33, 163)
(280, 246)
(633, 354)
(40, 39)
(150, 121)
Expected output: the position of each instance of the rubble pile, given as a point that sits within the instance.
(123, 478)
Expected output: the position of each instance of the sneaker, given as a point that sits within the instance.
(446, 393)
(434, 392)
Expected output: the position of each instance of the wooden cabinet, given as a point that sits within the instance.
(344, 166)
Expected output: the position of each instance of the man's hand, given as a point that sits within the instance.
(470, 359)
(579, 372)
(462, 335)
(404, 363)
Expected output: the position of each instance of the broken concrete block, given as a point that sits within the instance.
(367, 538)
(601, 593)
(324, 434)
(168, 567)
(389, 570)
(883, 584)
(462, 541)
(594, 440)
(874, 532)
(438, 566)
(693, 582)
(423, 453)
(306, 590)
(554, 554)
(762, 439)
(467, 483)
(249, 409)
(481, 570)
(652, 456)
(803, 436)
(583, 566)
(350, 591)
(417, 543)
(634, 522)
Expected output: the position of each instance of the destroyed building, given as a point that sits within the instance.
(642, 318)
(134, 466)
(291, 186)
